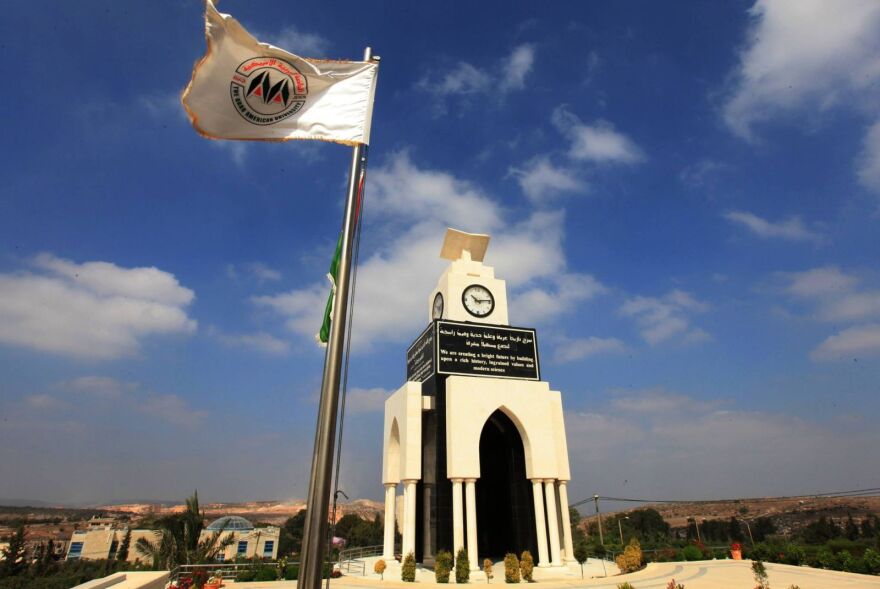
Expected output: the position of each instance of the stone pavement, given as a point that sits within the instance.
(705, 574)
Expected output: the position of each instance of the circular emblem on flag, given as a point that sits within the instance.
(265, 90)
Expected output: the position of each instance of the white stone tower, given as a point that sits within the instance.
(474, 437)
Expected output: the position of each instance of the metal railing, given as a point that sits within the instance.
(227, 570)
(350, 559)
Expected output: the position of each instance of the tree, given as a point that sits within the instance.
(379, 568)
(487, 568)
(851, 530)
(577, 534)
(580, 555)
(526, 566)
(511, 568)
(122, 553)
(462, 567)
(291, 534)
(631, 559)
(14, 561)
(760, 574)
(735, 530)
(408, 569)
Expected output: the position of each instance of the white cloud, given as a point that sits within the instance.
(298, 42)
(256, 270)
(571, 350)
(861, 340)
(599, 142)
(366, 400)
(801, 54)
(540, 179)
(44, 401)
(634, 443)
(791, 229)
(172, 409)
(104, 387)
(260, 341)
(869, 160)
(837, 295)
(465, 79)
(95, 310)
(394, 282)
(660, 319)
(517, 66)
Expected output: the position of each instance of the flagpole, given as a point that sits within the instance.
(316, 525)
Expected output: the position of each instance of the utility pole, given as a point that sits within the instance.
(599, 516)
(749, 528)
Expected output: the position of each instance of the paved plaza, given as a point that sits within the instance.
(707, 574)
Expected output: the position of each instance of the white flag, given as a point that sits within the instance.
(244, 89)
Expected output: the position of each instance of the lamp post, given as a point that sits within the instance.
(599, 517)
(620, 529)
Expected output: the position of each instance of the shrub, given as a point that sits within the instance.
(625, 586)
(408, 569)
(379, 568)
(526, 566)
(760, 573)
(825, 558)
(266, 573)
(691, 552)
(487, 568)
(462, 567)
(511, 568)
(291, 572)
(794, 554)
(673, 585)
(631, 559)
(872, 560)
(245, 576)
(442, 566)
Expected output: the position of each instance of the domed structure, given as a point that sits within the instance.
(230, 523)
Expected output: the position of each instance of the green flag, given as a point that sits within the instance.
(323, 334)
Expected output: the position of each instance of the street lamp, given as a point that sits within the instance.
(620, 529)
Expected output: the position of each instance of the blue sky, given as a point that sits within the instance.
(683, 198)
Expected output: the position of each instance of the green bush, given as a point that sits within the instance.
(625, 586)
(408, 569)
(245, 576)
(266, 573)
(462, 567)
(526, 565)
(442, 566)
(691, 552)
(291, 572)
(872, 560)
(511, 568)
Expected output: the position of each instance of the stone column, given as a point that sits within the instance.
(390, 496)
(566, 521)
(409, 516)
(470, 493)
(427, 535)
(552, 522)
(540, 528)
(457, 519)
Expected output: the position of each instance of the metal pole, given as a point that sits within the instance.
(749, 528)
(316, 525)
(599, 517)
(620, 529)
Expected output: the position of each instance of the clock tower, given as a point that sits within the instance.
(475, 438)
(467, 289)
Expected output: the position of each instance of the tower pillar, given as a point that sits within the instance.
(388, 547)
(457, 518)
(552, 522)
(540, 527)
(471, 504)
(566, 521)
(409, 516)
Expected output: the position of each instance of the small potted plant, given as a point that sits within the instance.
(214, 582)
(736, 551)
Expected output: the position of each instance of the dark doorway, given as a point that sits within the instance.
(505, 508)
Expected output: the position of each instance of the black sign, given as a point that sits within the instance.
(473, 349)
(420, 357)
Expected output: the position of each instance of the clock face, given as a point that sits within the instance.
(477, 300)
(437, 307)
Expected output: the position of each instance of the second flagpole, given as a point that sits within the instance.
(317, 509)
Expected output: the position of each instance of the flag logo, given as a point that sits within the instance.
(266, 90)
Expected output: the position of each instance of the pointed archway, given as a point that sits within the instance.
(505, 508)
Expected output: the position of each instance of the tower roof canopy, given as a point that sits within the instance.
(230, 522)
(457, 242)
